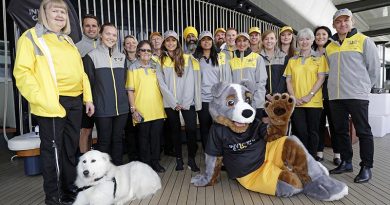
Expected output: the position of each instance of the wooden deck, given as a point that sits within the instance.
(16, 188)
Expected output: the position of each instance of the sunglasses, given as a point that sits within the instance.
(145, 50)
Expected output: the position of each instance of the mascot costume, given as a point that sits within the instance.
(260, 156)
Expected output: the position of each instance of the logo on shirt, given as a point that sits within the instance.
(241, 146)
(116, 59)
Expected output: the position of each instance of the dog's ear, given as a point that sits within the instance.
(218, 89)
(251, 86)
(106, 157)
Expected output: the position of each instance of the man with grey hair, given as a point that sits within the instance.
(354, 63)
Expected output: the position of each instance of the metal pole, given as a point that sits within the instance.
(141, 35)
(173, 16)
(115, 19)
(79, 4)
(157, 16)
(162, 18)
(167, 15)
(101, 12)
(147, 18)
(128, 16)
(384, 66)
(135, 25)
(109, 12)
(87, 6)
(94, 7)
(151, 17)
(5, 70)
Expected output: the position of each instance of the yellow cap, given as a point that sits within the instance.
(286, 28)
(189, 30)
(219, 30)
(254, 29)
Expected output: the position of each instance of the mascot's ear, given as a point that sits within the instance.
(249, 85)
(218, 89)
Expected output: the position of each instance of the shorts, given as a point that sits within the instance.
(86, 121)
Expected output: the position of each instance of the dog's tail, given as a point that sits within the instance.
(145, 181)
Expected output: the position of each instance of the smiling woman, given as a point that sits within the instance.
(106, 69)
(49, 74)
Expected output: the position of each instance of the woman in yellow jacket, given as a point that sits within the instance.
(49, 74)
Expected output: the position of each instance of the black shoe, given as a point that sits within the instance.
(319, 159)
(157, 167)
(342, 168)
(192, 165)
(336, 161)
(179, 164)
(364, 175)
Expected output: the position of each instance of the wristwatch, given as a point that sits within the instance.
(312, 93)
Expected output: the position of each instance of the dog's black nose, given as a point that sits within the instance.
(85, 172)
(247, 113)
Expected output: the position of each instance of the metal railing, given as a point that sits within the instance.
(140, 17)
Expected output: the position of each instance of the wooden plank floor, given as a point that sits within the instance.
(16, 188)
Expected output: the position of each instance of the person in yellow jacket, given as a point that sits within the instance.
(49, 74)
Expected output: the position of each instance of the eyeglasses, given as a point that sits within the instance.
(145, 50)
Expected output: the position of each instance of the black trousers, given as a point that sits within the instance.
(65, 133)
(358, 109)
(306, 124)
(149, 140)
(205, 122)
(190, 127)
(326, 113)
(131, 139)
(110, 131)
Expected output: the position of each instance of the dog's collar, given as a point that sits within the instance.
(97, 179)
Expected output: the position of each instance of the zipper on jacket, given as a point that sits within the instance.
(338, 73)
(114, 84)
(270, 78)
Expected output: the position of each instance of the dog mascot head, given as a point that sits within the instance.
(232, 105)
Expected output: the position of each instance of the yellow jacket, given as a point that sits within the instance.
(35, 78)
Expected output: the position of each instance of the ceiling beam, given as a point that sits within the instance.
(364, 5)
(379, 32)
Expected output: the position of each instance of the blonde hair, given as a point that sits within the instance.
(42, 18)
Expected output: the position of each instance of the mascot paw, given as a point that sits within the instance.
(279, 110)
(199, 180)
(326, 189)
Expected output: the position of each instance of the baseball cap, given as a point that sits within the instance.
(242, 34)
(342, 12)
(205, 34)
(171, 33)
(219, 30)
(286, 28)
(254, 29)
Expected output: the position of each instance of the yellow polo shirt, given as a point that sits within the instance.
(148, 99)
(304, 74)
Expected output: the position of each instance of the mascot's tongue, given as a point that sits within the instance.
(239, 124)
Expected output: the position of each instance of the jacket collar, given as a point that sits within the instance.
(335, 37)
(246, 53)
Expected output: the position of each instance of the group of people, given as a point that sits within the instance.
(72, 87)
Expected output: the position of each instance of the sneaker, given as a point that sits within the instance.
(192, 165)
(179, 164)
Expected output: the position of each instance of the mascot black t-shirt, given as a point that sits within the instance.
(243, 153)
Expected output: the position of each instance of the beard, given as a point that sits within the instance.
(219, 43)
(191, 46)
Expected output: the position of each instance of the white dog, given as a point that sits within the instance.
(101, 182)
